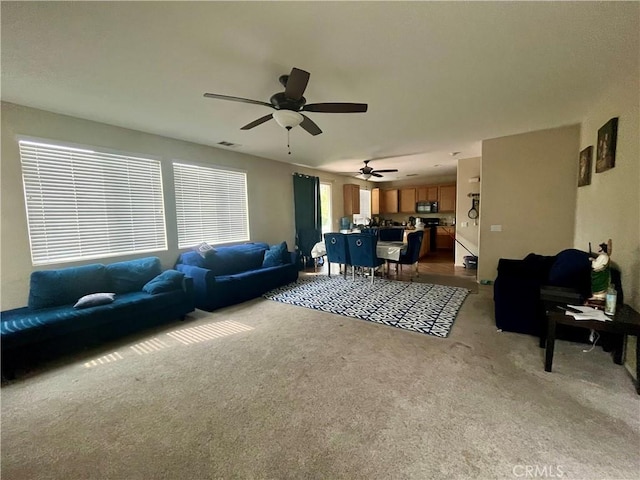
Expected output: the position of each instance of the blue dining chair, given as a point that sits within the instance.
(391, 234)
(362, 252)
(337, 250)
(412, 254)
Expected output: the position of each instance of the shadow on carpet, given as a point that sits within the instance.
(419, 307)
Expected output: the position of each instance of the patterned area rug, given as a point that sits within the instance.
(419, 307)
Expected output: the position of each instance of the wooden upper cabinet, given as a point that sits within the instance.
(421, 194)
(407, 200)
(351, 198)
(432, 193)
(447, 198)
(390, 201)
(376, 206)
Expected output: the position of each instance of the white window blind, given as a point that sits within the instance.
(83, 204)
(211, 205)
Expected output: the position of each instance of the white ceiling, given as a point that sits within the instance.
(438, 76)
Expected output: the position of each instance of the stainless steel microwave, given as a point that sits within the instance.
(427, 207)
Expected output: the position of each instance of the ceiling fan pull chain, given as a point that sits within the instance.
(288, 139)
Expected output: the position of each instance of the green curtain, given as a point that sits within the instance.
(306, 196)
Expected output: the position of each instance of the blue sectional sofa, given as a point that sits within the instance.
(144, 296)
(225, 276)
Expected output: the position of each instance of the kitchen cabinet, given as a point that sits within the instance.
(447, 198)
(351, 194)
(421, 194)
(389, 201)
(444, 241)
(432, 193)
(407, 200)
(376, 199)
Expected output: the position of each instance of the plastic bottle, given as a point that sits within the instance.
(611, 299)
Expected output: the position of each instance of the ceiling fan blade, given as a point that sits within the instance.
(336, 107)
(257, 122)
(296, 84)
(237, 99)
(375, 174)
(310, 126)
(387, 170)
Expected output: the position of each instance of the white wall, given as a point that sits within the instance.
(467, 230)
(528, 187)
(609, 208)
(270, 187)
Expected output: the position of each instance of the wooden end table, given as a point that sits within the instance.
(626, 321)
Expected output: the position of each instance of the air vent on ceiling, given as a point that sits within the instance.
(228, 144)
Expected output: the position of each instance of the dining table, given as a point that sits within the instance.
(384, 250)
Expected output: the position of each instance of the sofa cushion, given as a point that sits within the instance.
(276, 255)
(165, 282)
(572, 268)
(236, 259)
(203, 249)
(24, 325)
(193, 258)
(94, 299)
(130, 276)
(64, 286)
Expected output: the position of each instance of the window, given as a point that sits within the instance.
(325, 207)
(84, 204)
(211, 205)
(364, 216)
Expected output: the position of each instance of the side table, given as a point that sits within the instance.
(626, 321)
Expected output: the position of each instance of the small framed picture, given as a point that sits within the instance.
(584, 166)
(606, 153)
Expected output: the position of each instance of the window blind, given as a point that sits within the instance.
(84, 204)
(211, 205)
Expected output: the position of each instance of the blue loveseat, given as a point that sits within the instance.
(228, 275)
(144, 296)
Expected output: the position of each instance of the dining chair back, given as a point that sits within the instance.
(362, 252)
(391, 234)
(337, 250)
(412, 254)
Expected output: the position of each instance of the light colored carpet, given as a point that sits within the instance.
(277, 391)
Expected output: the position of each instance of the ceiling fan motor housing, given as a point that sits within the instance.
(281, 102)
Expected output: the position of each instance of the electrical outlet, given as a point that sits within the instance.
(496, 228)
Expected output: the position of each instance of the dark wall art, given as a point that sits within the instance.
(584, 166)
(606, 153)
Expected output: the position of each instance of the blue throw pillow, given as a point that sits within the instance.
(275, 255)
(95, 299)
(165, 282)
(572, 268)
(131, 276)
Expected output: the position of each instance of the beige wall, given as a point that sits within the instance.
(270, 187)
(529, 188)
(610, 206)
(467, 230)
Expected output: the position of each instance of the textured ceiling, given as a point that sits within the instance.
(438, 76)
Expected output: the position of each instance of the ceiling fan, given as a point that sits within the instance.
(290, 103)
(367, 172)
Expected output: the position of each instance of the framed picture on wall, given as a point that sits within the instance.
(606, 153)
(584, 166)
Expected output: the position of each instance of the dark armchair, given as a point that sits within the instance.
(411, 256)
(525, 289)
(362, 252)
(337, 250)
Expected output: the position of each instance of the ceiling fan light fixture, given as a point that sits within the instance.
(287, 118)
(366, 176)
